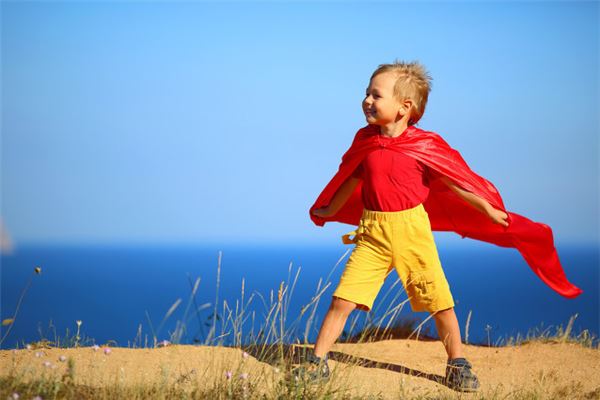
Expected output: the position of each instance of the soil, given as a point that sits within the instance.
(397, 368)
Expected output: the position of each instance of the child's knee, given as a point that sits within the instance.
(342, 306)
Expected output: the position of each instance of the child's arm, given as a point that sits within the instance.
(497, 216)
(341, 196)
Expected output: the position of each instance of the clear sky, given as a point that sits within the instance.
(204, 122)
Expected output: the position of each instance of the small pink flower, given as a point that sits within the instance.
(245, 355)
(62, 358)
(38, 354)
(244, 375)
(47, 364)
(96, 347)
(107, 350)
(15, 396)
(228, 374)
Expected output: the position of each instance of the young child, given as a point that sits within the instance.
(397, 183)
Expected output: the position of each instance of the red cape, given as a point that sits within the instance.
(447, 211)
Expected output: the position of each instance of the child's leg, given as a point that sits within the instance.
(449, 332)
(333, 325)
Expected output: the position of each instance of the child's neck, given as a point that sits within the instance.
(394, 129)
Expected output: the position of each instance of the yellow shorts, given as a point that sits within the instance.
(400, 239)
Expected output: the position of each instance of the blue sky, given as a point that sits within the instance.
(203, 122)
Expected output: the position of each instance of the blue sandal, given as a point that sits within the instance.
(460, 377)
(313, 369)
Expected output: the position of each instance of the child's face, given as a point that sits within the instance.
(380, 106)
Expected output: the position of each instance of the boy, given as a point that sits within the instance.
(398, 183)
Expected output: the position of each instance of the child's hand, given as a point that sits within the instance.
(498, 217)
(323, 212)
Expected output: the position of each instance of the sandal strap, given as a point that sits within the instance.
(460, 362)
(311, 357)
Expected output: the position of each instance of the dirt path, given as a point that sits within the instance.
(408, 367)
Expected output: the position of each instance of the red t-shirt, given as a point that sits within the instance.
(392, 181)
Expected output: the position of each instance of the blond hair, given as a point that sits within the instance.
(412, 82)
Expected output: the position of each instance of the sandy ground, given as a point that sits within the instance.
(391, 368)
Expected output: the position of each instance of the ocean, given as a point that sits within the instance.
(121, 294)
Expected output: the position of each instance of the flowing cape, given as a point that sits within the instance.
(447, 211)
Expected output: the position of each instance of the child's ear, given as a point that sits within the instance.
(406, 106)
